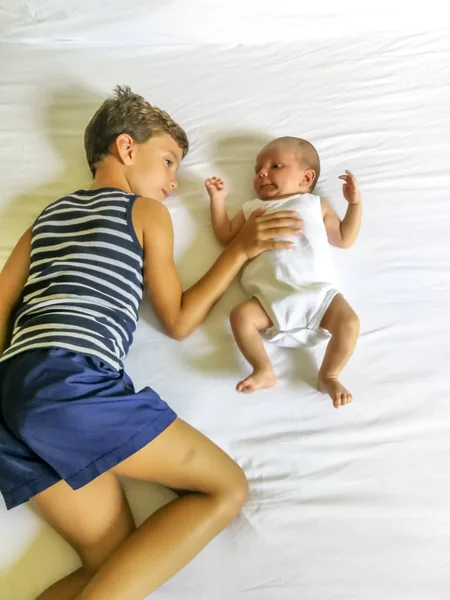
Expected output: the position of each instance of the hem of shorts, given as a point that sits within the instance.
(119, 454)
(28, 490)
(314, 324)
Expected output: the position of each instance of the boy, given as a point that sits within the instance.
(294, 298)
(70, 419)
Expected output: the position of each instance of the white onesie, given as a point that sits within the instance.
(296, 286)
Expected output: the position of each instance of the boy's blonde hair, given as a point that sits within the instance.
(126, 112)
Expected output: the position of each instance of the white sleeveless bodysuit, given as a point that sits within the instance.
(296, 286)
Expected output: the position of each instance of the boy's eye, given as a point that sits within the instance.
(169, 162)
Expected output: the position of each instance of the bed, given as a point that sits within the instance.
(344, 505)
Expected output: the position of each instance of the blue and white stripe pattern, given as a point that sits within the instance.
(85, 282)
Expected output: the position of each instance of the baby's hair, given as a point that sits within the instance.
(126, 112)
(307, 155)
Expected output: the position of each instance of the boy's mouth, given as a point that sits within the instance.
(166, 194)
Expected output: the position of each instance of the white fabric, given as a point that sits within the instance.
(175, 22)
(344, 505)
(294, 287)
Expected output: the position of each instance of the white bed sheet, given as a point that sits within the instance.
(344, 505)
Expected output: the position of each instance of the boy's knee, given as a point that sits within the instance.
(235, 493)
(240, 488)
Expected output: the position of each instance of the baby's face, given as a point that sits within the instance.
(278, 173)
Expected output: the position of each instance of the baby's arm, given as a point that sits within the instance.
(12, 279)
(224, 228)
(343, 233)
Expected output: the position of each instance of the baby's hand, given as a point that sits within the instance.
(350, 189)
(216, 188)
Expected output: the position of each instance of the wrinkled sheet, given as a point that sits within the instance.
(344, 505)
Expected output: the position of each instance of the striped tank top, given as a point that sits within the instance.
(85, 281)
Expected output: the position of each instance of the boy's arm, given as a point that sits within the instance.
(180, 312)
(12, 279)
(224, 228)
(343, 233)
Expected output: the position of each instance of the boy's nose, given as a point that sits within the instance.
(174, 184)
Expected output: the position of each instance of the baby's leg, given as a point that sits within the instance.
(247, 320)
(343, 324)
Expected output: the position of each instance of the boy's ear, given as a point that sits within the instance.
(309, 176)
(124, 148)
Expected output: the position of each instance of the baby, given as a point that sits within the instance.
(293, 295)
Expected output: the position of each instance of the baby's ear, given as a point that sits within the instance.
(309, 176)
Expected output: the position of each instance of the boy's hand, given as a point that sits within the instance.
(216, 188)
(262, 232)
(350, 189)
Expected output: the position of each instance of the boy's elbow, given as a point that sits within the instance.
(179, 335)
(178, 331)
(345, 242)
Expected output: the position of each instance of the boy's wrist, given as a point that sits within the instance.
(237, 250)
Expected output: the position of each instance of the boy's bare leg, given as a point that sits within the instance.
(343, 324)
(247, 320)
(95, 521)
(69, 587)
(180, 458)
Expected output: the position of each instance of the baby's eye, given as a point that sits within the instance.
(276, 166)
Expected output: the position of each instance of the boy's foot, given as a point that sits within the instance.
(258, 380)
(337, 392)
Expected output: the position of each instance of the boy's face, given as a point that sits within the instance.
(154, 167)
(278, 173)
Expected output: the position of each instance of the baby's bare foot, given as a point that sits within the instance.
(258, 380)
(337, 392)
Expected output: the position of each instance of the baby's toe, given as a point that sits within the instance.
(243, 386)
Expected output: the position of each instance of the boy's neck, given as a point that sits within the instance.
(108, 176)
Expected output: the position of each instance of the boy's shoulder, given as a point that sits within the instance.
(151, 217)
(148, 206)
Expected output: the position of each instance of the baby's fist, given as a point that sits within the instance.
(216, 188)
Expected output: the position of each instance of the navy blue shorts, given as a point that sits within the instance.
(69, 416)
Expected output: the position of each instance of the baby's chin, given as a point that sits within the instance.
(268, 193)
(274, 194)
